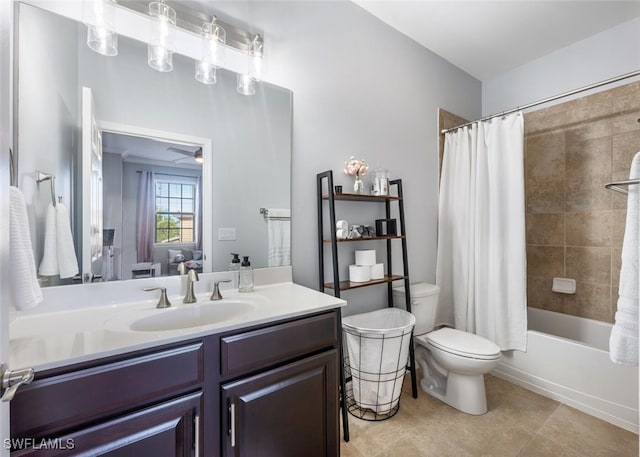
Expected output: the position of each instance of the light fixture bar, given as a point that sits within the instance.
(191, 21)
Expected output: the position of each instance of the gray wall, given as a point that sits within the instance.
(112, 204)
(614, 52)
(48, 114)
(360, 88)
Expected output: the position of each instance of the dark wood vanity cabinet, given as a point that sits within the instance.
(269, 390)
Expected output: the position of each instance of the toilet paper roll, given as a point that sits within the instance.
(342, 234)
(340, 225)
(359, 273)
(377, 271)
(366, 257)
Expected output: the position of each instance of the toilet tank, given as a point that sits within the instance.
(424, 304)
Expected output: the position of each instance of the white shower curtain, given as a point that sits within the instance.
(481, 265)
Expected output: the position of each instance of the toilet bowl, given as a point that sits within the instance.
(453, 362)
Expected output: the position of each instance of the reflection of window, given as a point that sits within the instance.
(175, 211)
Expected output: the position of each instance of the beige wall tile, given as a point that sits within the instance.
(589, 158)
(590, 300)
(591, 228)
(625, 122)
(591, 107)
(545, 229)
(545, 195)
(589, 264)
(586, 194)
(589, 130)
(625, 147)
(540, 295)
(614, 303)
(626, 97)
(545, 119)
(616, 264)
(545, 261)
(618, 222)
(545, 156)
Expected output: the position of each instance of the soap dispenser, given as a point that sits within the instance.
(246, 276)
(234, 266)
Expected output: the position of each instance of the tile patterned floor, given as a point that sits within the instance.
(519, 423)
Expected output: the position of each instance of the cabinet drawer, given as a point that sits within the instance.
(261, 348)
(68, 400)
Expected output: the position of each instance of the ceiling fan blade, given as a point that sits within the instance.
(181, 151)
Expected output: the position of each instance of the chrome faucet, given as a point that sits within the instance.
(189, 296)
(216, 295)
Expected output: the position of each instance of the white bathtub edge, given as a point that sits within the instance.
(616, 414)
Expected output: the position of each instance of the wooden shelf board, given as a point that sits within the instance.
(346, 285)
(362, 197)
(371, 238)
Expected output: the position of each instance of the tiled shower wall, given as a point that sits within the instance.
(575, 226)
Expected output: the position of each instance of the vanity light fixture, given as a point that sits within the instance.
(100, 16)
(198, 156)
(161, 43)
(213, 43)
(247, 81)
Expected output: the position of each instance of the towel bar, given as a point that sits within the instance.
(40, 177)
(615, 186)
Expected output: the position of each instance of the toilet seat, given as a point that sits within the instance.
(461, 343)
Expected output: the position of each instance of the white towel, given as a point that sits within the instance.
(279, 237)
(24, 287)
(623, 342)
(49, 262)
(279, 234)
(67, 260)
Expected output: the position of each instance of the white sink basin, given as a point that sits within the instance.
(192, 315)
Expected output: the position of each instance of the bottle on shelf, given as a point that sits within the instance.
(246, 276)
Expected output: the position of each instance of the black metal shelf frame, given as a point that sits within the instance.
(331, 198)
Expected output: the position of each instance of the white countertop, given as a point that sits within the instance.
(48, 340)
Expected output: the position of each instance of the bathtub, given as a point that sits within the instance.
(567, 359)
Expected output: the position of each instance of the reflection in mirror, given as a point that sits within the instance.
(163, 182)
(246, 153)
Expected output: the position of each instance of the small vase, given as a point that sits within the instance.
(358, 185)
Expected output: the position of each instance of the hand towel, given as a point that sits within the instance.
(623, 342)
(67, 260)
(24, 287)
(279, 242)
(49, 262)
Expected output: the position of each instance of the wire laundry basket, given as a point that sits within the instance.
(376, 354)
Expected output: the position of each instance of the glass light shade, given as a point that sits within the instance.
(246, 85)
(205, 73)
(100, 18)
(162, 39)
(213, 41)
(256, 69)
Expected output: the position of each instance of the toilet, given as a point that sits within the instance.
(453, 362)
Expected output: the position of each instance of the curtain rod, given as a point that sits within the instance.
(171, 174)
(548, 99)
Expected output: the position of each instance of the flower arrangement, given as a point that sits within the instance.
(356, 167)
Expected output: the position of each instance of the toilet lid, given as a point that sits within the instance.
(463, 344)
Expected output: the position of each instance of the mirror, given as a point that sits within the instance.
(245, 144)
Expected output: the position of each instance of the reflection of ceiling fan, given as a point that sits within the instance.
(197, 154)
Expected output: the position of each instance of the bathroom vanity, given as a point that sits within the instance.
(234, 389)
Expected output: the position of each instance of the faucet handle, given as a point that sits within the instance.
(163, 302)
(192, 275)
(216, 295)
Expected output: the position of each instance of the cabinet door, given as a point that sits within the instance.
(290, 411)
(166, 430)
